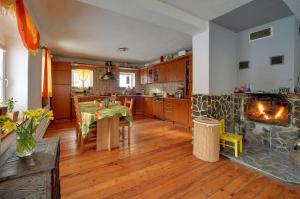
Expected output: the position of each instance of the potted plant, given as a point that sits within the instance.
(25, 131)
(10, 103)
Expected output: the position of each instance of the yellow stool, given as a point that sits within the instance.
(237, 140)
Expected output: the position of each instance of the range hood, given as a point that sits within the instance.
(108, 75)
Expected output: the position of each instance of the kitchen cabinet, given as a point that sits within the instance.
(159, 73)
(181, 112)
(61, 77)
(138, 104)
(170, 68)
(172, 71)
(61, 104)
(158, 109)
(148, 106)
(61, 90)
(180, 69)
(168, 109)
(144, 76)
(178, 111)
(150, 75)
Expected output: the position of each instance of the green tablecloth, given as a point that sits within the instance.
(90, 113)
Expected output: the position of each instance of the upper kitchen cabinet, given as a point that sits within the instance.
(180, 69)
(150, 75)
(175, 70)
(144, 75)
(159, 73)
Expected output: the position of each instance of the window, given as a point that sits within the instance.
(127, 80)
(82, 78)
(3, 81)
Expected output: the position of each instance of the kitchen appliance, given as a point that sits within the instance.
(108, 75)
(179, 93)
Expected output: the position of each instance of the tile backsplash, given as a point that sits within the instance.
(162, 88)
(101, 87)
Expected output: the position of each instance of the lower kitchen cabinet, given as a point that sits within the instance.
(148, 106)
(178, 111)
(168, 109)
(158, 109)
(181, 111)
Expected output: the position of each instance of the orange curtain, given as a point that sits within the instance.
(46, 74)
(28, 32)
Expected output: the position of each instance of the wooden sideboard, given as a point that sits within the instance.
(36, 176)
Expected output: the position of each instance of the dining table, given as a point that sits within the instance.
(104, 117)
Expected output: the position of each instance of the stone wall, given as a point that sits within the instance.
(231, 108)
(214, 106)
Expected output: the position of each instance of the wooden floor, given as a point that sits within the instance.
(158, 164)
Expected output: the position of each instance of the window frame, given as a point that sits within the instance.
(133, 79)
(3, 79)
(91, 75)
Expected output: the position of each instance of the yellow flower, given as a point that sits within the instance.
(9, 126)
(49, 115)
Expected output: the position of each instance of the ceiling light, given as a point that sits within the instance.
(123, 49)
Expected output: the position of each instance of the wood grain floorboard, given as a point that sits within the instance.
(158, 164)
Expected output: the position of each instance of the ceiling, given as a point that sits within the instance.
(243, 18)
(95, 29)
(80, 30)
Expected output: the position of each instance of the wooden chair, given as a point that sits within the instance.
(125, 123)
(92, 133)
(236, 140)
(108, 133)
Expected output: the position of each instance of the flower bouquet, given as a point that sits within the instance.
(26, 130)
(10, 103)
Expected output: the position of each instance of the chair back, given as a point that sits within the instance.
(113, 96)
(222, 127)
(129, 104)
(77, 111)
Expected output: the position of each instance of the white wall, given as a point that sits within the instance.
(34, 80)
(24, 74)
(261, 74)
(201, 62)
(16, 65)
(223, 60)
(214, 61)
(297, 52)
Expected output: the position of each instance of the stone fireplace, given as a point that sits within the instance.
(267, 120)
(268, 108)
(269, 123)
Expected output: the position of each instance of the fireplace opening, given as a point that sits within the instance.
(268, 110)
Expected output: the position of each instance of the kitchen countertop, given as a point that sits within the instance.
(83, 96)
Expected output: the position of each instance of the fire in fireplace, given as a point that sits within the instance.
(268, 110)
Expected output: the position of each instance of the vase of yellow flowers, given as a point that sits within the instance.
(25, 131)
